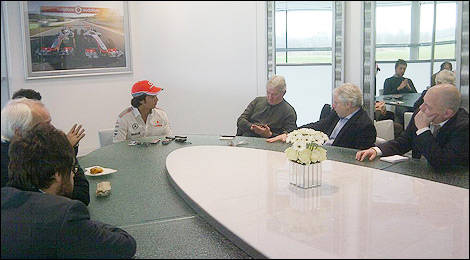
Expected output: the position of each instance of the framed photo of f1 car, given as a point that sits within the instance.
(75, 38)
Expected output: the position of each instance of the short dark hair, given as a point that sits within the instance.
(37, 155)
(137, 101)
(400, 62)
(444, 64)
(27, 93)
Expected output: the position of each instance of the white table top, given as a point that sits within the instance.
(358, 212)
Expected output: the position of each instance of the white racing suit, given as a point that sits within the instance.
(130, 125)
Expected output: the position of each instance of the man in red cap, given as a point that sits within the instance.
(142, 118)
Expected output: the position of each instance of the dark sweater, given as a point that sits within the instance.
(391, 84)
(281, 118)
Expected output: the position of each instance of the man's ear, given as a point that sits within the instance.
(448, 113)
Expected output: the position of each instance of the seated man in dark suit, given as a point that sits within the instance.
(38, 218)
(443, 77)
(438, 130)
(21, 114)
(347, 125)
(270, 115)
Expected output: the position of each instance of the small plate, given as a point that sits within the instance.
(105, 171)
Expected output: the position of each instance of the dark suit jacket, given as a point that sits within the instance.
(358, 133)
(39, 225)
(81, 189)
(450, 147)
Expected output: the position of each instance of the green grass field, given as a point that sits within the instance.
(441, 52)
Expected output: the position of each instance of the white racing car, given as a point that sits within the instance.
(101, 50)
(57, 47)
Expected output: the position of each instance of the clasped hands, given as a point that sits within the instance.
(75, 134)
(261, 129)
(404, 84)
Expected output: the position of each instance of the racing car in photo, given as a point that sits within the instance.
(58, 47)
(97, 48)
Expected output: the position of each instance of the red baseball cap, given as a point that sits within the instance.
(145, 87)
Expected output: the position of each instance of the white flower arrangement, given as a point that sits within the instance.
(306, 146)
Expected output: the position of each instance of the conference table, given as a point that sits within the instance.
(176, 215)
(401, 100)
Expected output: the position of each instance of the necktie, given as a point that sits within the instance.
(436, 130)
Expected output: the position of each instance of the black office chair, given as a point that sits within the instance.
(325, 111)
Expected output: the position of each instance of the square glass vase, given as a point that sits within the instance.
(305, 176)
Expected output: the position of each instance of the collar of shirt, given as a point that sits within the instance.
(441, 124)
(41, 191)
(350, 115)
(136, 112)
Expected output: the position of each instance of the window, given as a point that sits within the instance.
(303, 32)
(303, 43)
(404, 30)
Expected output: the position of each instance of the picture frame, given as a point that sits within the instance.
(75, 38)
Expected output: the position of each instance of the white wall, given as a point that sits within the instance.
(209, 57)
(352, 44)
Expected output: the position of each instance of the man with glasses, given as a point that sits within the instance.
(20, 115)
(38, 218)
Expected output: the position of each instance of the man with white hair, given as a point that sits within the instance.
(20, 115)
(270, 115)
(442, 77)
(438, 130)
(348, 125)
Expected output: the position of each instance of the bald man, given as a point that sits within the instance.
(438, 130)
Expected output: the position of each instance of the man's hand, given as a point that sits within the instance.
(262, 130)
(281, 137)
(361, 155)
(75, 134)
(422, 120)
(380, 105)
(404, 84)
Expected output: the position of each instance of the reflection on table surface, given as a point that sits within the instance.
(404, 100)
(357, 212)
(142, 194)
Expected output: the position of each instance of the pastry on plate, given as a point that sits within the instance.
(96, 170)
